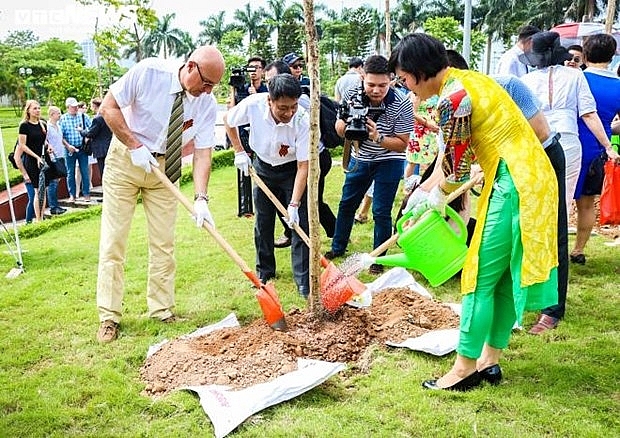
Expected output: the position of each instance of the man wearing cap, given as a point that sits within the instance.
(147, 109)
(71, 124)
(351, 79)
(296, 64)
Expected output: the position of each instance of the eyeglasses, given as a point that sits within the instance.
(205, 83)
(257, 67)
(297, 66)
(399, 81)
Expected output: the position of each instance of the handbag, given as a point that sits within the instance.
(86, 146)
(609, 202)
(54, 169)
(595, 176)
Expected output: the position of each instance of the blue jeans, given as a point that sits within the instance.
(31, 201)
(386, 174)
(52, 194)
(82, 160)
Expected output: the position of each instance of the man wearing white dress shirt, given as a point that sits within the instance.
(138, 110)
(509, 63)
(279, 139)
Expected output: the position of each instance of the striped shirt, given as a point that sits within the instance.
(397, 119)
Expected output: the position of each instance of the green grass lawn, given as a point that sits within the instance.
(57, 381)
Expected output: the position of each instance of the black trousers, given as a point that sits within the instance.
(326, 215)
(280, 180)
(558, 161)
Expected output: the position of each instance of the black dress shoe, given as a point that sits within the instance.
(580, 259)
(330, 255)
(492, 374)
(465, 384)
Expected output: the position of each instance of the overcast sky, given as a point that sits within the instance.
(68, 20)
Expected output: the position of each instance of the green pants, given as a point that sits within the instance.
(489, 313)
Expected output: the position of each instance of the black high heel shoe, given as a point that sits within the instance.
(465, 384)
(492, 374)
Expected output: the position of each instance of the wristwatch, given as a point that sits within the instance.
(379, 139)
(201, 195)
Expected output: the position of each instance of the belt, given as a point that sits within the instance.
(551, 140)
(287, 165)
(157, 154)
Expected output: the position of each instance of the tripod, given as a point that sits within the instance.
(11, 242)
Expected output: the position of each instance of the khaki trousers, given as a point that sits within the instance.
(122, 183)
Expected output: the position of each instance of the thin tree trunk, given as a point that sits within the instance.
(611, 13)
(388, 29)
(98, 58)
(313, 172)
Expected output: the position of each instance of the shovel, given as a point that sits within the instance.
(356, 263)
(266, 294)
(336, 288)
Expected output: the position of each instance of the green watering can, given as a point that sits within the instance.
(430, 246)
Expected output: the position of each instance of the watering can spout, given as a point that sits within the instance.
(400, 260)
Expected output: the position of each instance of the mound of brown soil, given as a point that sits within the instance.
(243, 356)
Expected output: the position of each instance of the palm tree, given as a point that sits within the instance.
(250, 20)
(274, 19)
(186, 48)
(164, 38)
(213, 29)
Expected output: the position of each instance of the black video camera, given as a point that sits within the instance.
(237, 75)
(355, 112)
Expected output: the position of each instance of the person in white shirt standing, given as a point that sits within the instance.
(279, 139)
(509, 63)
(138, 110)
(351, 79)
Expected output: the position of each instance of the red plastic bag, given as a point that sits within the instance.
(610, 195)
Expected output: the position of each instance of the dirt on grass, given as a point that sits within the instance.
(244, 356)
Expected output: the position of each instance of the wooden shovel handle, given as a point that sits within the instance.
(451, 197)
(216, 235)
(261, 184)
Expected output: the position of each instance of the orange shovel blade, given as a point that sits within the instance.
(271, 307)
(337, 288)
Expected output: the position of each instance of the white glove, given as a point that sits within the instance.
(437, 200)
(243, 162)
(411, 182)
(142, 157)
(417, 197)
(201, 210)
(293, 215)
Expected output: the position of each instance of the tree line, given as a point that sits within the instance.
(57, 68)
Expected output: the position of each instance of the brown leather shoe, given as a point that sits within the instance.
(108, 331)
(172, 319)
(543, 323)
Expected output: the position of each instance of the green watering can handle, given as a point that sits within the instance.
(459, 221)
(417, 212)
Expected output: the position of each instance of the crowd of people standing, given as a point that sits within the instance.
(539, 131)
(60, 137)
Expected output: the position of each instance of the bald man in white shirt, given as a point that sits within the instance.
(138, 109)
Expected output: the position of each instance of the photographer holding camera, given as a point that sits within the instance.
(379, 119)
(240, 89)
